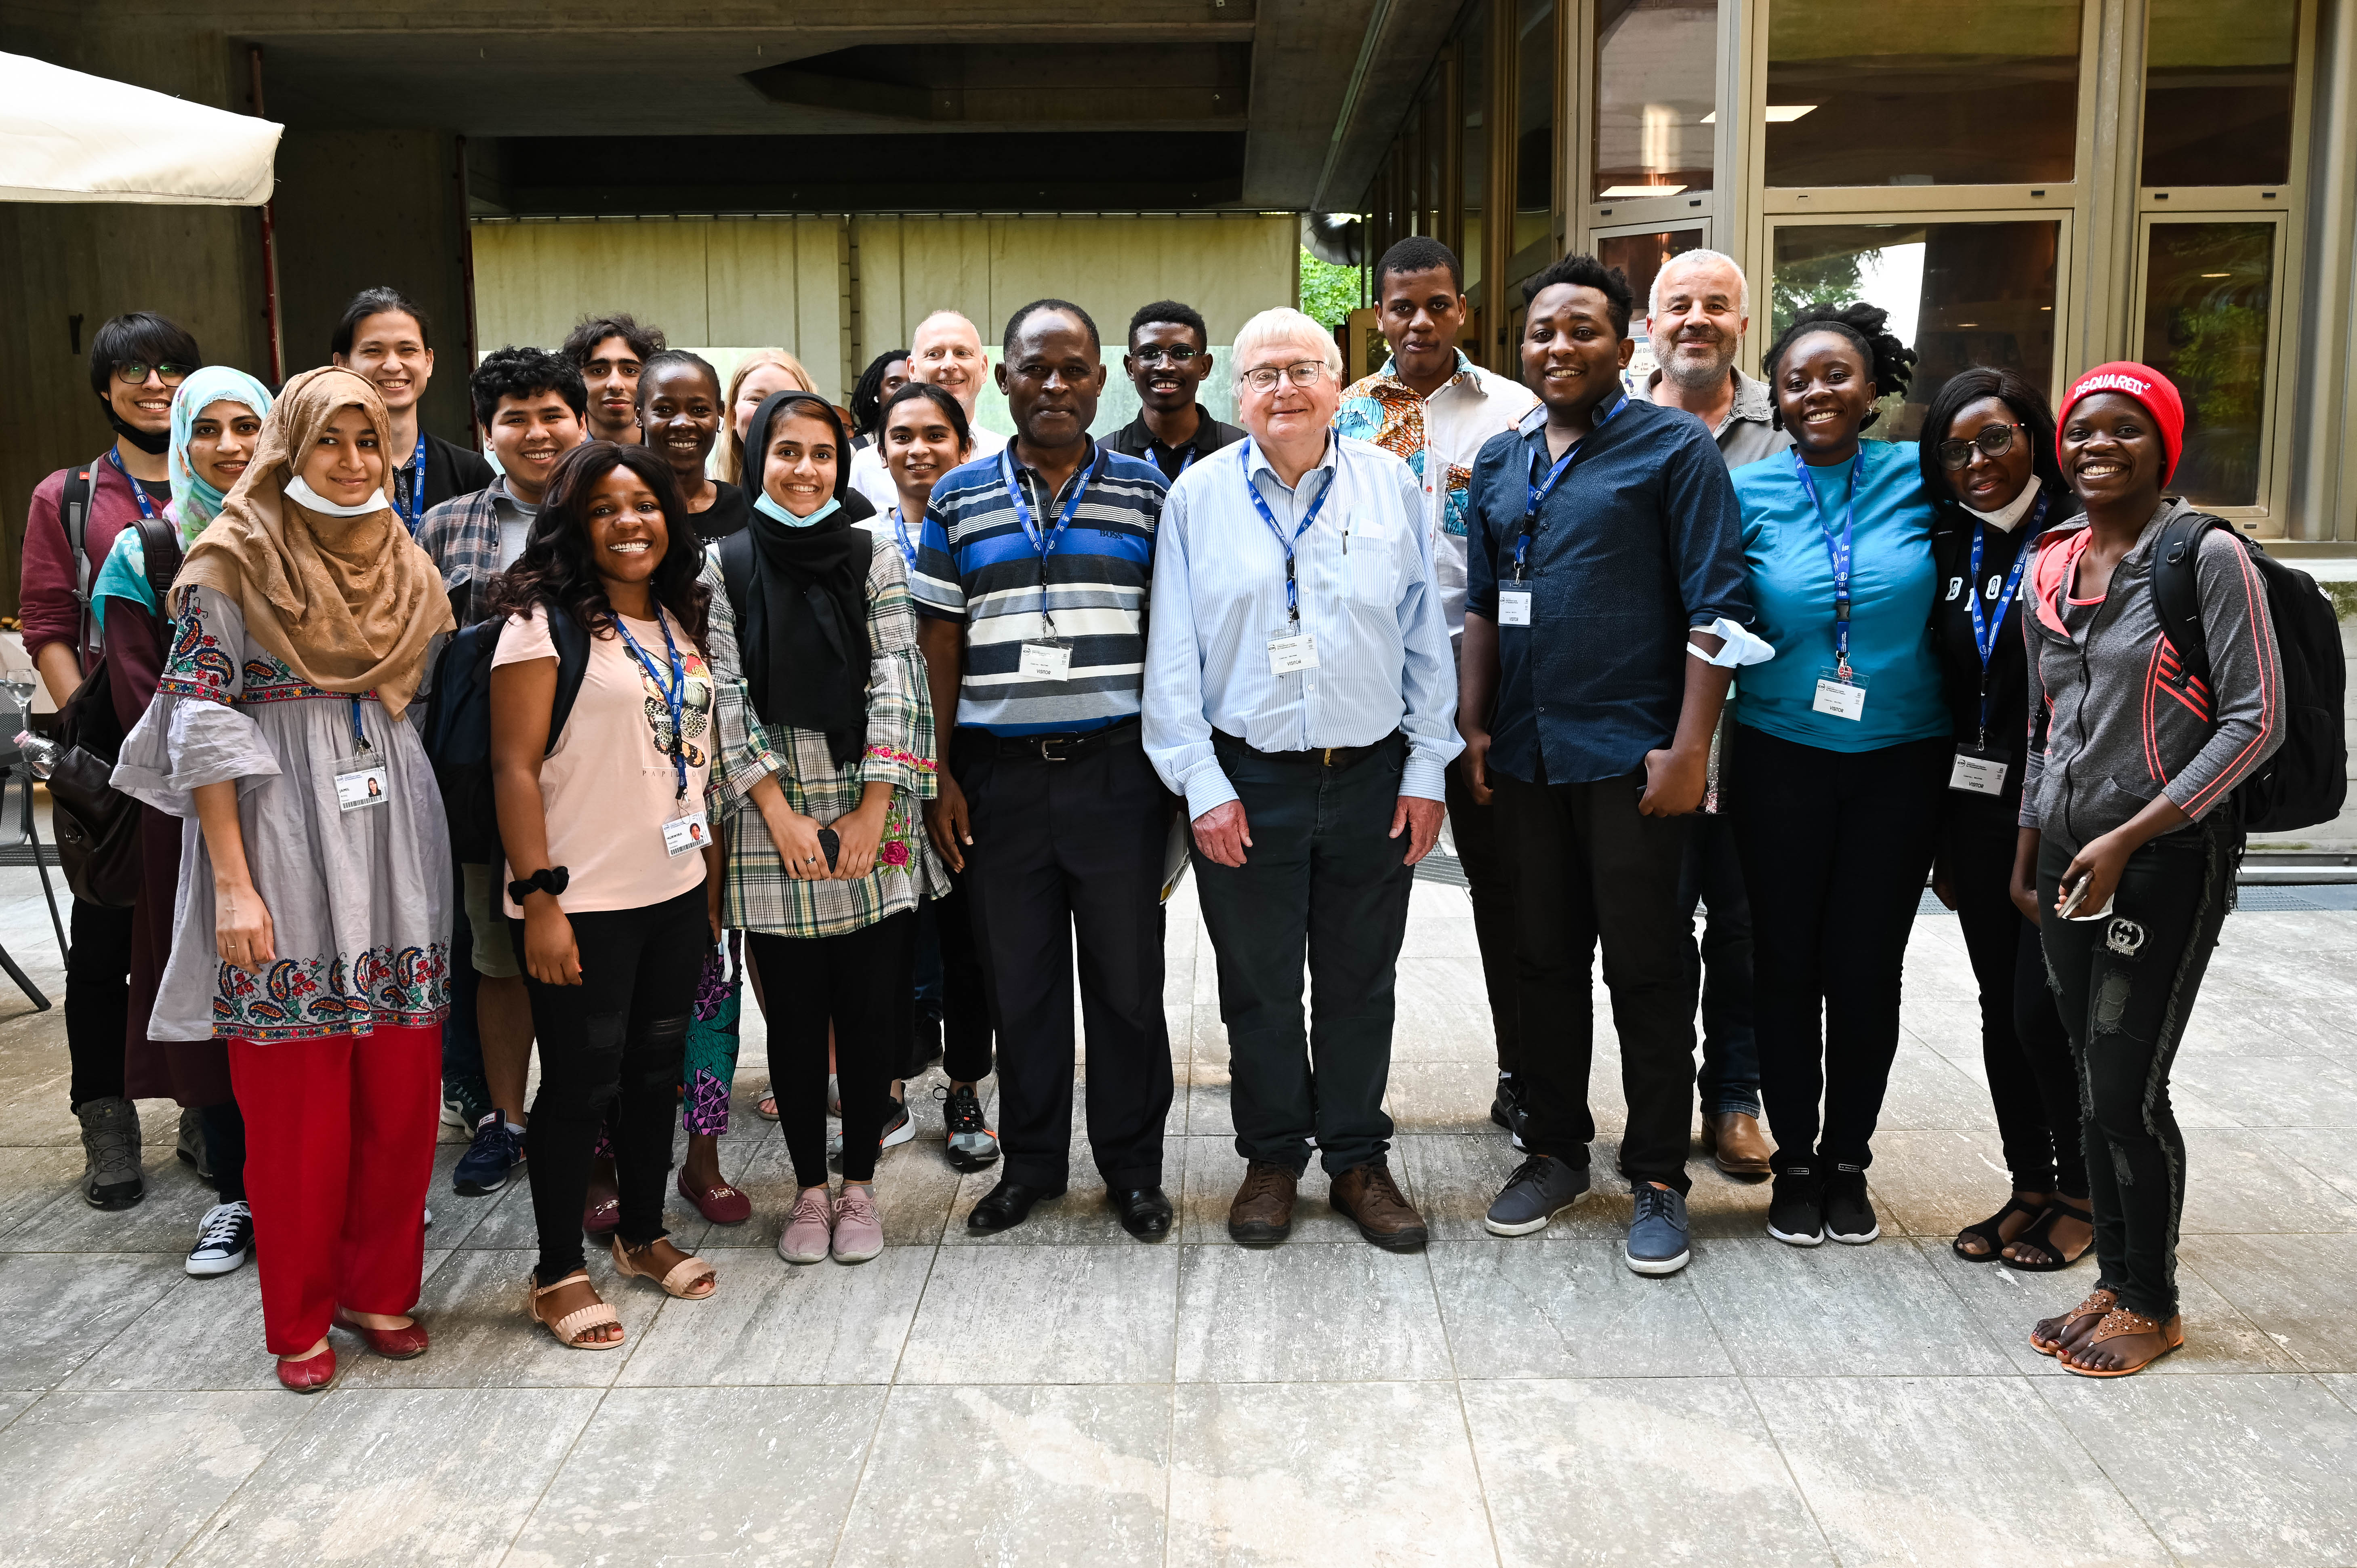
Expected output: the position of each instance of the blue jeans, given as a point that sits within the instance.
(1713, 877)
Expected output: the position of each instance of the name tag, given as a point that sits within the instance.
(1840, 698)
(362, 782)
(1978, 773)
(1290, 655)
(1514, 606)
(686, 835)
(1045, 661)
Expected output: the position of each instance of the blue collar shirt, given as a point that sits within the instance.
(1367, 595)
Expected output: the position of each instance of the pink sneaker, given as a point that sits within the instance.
(858, 1225)
(809, 1228)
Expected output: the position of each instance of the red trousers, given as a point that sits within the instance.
(340, 1152)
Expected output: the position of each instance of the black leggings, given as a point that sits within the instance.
(614, 1042)
(2033, 1086)
(2125, 984)
(862, 980)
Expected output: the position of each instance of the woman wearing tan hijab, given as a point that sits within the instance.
(314, 893)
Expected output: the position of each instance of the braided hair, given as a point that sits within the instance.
(1889, 362)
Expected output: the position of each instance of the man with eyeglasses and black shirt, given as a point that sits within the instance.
(1170, 355)
(383, 336)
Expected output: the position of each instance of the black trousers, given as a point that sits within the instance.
(1490, 882)
(860, 981)
(2124, 984)
(2024, 1050)
(614, 1042)
(1594, 870)
(1712, 878)
(962, 1007)
(98, 1002)
(1060, 850)
(1836, 846)
(1323, 875)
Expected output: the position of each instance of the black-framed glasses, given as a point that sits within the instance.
(1994, 441)
(1177, 359)
(132, 374)
(1301, 373)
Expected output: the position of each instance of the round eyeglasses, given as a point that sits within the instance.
(1994, 441)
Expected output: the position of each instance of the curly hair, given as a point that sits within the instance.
(524, 374)
(555, 566)
(1888, 361)
(868, 393)
(1958, 392)
(1587, 271)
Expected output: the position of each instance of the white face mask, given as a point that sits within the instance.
(2007, 517)
(309, 499)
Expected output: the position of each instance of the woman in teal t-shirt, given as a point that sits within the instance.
(1841, 751)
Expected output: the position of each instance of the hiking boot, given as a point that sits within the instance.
(190, 1146)
(111, 1177)
(1367, 1195)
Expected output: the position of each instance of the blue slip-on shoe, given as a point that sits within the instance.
(1657, 1230)
(489, 1160)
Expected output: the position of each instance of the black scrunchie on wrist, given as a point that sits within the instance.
(548, 879)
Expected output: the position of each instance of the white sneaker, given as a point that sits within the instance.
(224, 1237)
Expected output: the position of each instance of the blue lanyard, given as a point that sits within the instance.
(1292, 592)
(359, 740)
(900, 532)
(1985, 630)
(147, 507)
(1184, 464)
(1539, 492)
(1838, 551)
(674, 695)
(1044, 543)
(417, 488)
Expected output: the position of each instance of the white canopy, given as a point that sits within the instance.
(65, 136)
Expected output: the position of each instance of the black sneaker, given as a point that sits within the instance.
(1506, 1109)
(490, 1159)
(1849, 1216)
(1797, 1208)
(224, 1237)
(968, 1140)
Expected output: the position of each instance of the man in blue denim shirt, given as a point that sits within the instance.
(1602, 538)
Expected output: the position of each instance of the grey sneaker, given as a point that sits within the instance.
(972, 1144)
(1657, 1232)
(191, 1144)
(110, 1147)
(1541, 1187)
(1849, 1216)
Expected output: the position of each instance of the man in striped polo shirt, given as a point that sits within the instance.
(1030, 585)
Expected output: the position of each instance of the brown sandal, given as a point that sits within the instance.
(2118, 1324)
(2097, 1304)
(569, 1328)
(684, 1274)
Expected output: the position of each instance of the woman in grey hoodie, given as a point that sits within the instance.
(2131, 758)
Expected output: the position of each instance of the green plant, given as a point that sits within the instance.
(1329, 293)
(1825, 280)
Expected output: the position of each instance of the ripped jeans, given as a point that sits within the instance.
(2125, 984)
(614, 1042)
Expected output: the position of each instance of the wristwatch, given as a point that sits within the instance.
(549, 879)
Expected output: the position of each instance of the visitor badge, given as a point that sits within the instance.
(1977, 772)
(686, 835)
(1839, 698)
(1292, 654)
(362, 782)
(1046, 662)
(1514, 606)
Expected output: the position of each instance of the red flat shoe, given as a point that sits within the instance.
(310, 1376)
(720, 1203)
(393, 1344)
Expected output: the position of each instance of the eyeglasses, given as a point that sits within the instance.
(132, 374)
(1301, 373)
(1176, 357)
(1994, 441)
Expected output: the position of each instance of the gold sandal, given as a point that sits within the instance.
(2097, 1304)
(569, 1328)
(688, 1271)
(2118, 1324)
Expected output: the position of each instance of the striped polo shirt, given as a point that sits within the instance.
(977, 565)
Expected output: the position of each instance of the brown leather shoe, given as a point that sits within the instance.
(1368, 1196)
(1262, 1214)
(1736, 1143)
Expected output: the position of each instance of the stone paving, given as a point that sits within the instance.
(1065, 1395)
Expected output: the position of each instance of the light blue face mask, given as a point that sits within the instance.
(767, 507)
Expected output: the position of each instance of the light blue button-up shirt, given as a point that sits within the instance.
(1367, 594)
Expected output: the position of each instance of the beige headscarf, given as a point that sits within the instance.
(349, 603)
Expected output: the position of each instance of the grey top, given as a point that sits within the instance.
(1749, 432)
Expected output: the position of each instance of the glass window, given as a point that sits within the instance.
(1656, 74)
(2207, 288)
(2217, 91)
(1473, 89)
(1433, 113)
(1958, 294)
(1642, 257)
(1917, 92)
(1535, 57)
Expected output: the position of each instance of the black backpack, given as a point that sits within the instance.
(457, 736)
(2306, 780)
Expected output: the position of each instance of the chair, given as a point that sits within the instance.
(13, 770)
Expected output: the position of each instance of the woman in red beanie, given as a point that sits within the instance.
(2131, 757)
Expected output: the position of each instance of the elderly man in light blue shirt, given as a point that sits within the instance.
(1300, 693)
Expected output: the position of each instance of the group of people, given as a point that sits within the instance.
(881, 706)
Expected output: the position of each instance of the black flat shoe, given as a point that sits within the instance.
(1006, 1205)
(1145, 1211)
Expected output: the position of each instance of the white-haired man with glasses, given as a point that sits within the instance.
(1300, 693)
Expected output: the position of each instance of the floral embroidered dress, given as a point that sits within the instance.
(760, 895)
(358, 900)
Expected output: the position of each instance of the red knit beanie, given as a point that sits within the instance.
(2148, 387)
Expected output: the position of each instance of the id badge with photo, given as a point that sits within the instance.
(1045, 661)
(687, 834)
(1977, 772)
(1292, 653)
(363, 781)
(1838, 698)
(1514, 606)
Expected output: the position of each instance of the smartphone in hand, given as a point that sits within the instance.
(830, 844)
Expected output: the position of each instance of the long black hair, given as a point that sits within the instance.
(555, 566)
(925, 391)
(1888, 361)
(867, 394)
(1965, 388)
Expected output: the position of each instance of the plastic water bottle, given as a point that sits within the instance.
(40, 753)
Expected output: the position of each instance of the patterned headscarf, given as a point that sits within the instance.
(195, 501)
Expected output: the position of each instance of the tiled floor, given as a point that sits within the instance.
(1063, 1395)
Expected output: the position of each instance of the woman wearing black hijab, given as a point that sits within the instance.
(816, 647)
